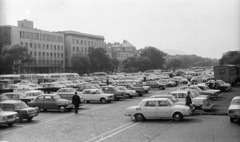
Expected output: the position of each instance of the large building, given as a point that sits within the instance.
(47, 48)
(121, 51)
(77, 43)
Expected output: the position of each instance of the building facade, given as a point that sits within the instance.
(46, 48)
(122, 51)
(77, 43)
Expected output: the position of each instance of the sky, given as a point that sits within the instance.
(206, 28)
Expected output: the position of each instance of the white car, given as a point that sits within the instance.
(213, 93)
(97, 95)
(7, 117)
(180, 79)
(156, 108)
(234, 109)
(198, 101)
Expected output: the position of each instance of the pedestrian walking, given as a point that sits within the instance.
(188, 99)
(76, 102)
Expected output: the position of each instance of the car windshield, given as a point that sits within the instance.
(21, 105)
(236, 102)
(56, 97)
(99, 91)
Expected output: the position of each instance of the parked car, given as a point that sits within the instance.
(146, 88)
(86, 86)
(3, 97)
(50, 87)
(156, 108)
(7, 117)
(213, 93)
(23, 110)
(168, 82)
(97, 82)
(140, 91)
(219, 84)
(171, 97)
(155, 84)
(180, 79)
(234, 109)
(68, 93)
(97, 95)
(129, 93)
(14, 95)
(31, 95)
(205, 93)
(51, 101)
(118, 94)
(198, 101)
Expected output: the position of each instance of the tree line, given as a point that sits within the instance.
(98, 60)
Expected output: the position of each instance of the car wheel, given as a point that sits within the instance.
(10, 124)
(139, 117)
(177, 116)
(30, 118)
(18, 119)
(160, 88)
(146, 91)
(62, 109)
(128, 96)
(231, 119)
(103, 101)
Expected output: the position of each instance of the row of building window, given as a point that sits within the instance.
(39, 36)
(81, 49)
(90, 43)
(42, 46)
(49, 62)
(46, 54)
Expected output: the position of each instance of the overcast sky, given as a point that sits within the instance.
(207, 28)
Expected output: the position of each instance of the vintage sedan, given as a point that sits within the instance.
(67, 93)
(156, 108)
(118, 94)
(7, 117)
(198, 101)
(50, 102)
(155, 84)
(129, 93)
(23, 110)
(234, 109)
(97, 95)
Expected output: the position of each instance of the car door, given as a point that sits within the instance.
(38, 102)
(49, 102)
(149, 109)
(163, 109)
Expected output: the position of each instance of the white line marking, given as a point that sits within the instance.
(108, 134)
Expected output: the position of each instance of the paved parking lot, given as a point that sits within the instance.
(106, 122)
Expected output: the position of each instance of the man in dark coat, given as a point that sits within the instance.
(188, 99)
(76, 102)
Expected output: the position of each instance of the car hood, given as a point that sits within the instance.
(6, 113)
(235, 107)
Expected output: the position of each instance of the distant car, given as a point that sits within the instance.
(171, 97)
(86, 86)
(168, 82)
(14, 95)
(180, 79)
(139, 84)
(23, 110)
(118, 94)
(219, 84)
(50, 87)
(97, 95)
(97, 82)
(129, 93)
(31, 95)
(156, 108)
(198, 101)
(7, 117)
(140, 91)
(68, 93)
(156, 84)
(234, 109)
(51, 101)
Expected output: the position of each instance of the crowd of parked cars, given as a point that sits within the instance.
(25, 99)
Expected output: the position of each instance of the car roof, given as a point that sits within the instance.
(180, 91)
(13, 93)
(32, 91)
(236, 97)
(156, 99)
(92, 89)
(10, 101)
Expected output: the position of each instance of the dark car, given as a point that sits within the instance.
(23, 110)
(118, 94)
(51, 101)
(49, 87)
(156, 84)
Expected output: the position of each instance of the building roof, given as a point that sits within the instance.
(82, 34)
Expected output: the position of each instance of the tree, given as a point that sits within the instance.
(155, 55)
(99, 60)
(174, 64)
(13, 57)
(81, 63)
(135, 64)
(230, 57)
